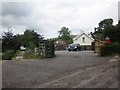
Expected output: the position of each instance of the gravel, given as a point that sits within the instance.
(35, 73)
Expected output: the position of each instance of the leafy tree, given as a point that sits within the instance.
(29, 39)
(17, 40)
(7, 40)
(65, 35)
(99, 31)
(107, 29)
(113, 32)
(64, 31)
(106, 22)
(30, 36)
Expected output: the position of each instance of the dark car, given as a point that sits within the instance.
(74, 47)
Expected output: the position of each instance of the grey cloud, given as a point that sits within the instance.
(119, 10)
(16, 9)
(19, 13)
(11, 22)
(48, 17)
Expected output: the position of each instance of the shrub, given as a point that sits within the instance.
(111, 49)
(30, 54)
(31, 45)
(49, 49)
(8, 55)
(0, 55)
(16, 54)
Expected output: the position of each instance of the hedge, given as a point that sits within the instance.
(8, 55)
(111, 49)
(49, 49)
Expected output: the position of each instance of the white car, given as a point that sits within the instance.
(22, 48)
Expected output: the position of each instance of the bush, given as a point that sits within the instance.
(30, 54)
(0, 55)
(8, 55)
(16, 54)
(111, 49)
(49, 49)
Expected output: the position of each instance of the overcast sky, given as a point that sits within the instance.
(48, 16)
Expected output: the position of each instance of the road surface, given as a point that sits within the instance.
(66, 70)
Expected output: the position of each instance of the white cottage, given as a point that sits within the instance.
(84, 40)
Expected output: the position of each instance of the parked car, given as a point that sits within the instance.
(74, 47)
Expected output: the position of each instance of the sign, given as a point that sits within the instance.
(107, 40)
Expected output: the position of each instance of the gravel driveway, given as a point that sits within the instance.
(35, 73)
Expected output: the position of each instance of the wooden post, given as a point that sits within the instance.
(97, 46)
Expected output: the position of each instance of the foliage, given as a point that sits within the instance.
(111, 49)
(31, 46)
(65, 35)
(106, 22)
(113, 32)
(0, 45)
(1, 55)
(8, 55)
(49, 49)
(107, 29)
(98, 33)
(17, 40)
(30, 54)
(29, 39)
(7, 41)
(10, 41)
(15, 55)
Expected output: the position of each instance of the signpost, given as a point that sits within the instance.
(107, 40)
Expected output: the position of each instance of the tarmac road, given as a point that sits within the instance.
(47, 72)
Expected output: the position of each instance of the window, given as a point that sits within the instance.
(83, 39)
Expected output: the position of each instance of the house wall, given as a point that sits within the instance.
(88, 41)
(60, 45)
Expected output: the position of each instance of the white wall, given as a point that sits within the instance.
(88, 41)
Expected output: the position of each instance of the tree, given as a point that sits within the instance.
(17, 40)
(65, 35)
(106, 28)
(10, 41)
(103, 25)
(31, 38)
(113, 32)
(7, 40)
(106, 22)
